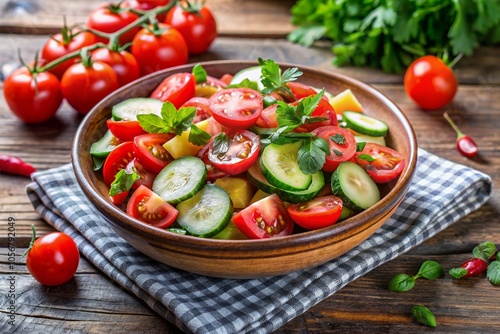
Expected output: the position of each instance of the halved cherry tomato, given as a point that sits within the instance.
(125, 130)
(150, 152)
(212, 172)
(146, 178)
(177, 88)
(244, 147)
(301, 90)
(150, 208)
(236, 107)
(266, 218)
(226, 78)
(268, 117)
(387, 163)
(120, 198)
(342, 145)
(202, 105)
(317, 213)
(117, 159)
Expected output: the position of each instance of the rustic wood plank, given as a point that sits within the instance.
(234, 17)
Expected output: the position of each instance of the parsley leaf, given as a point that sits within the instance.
(273, 80)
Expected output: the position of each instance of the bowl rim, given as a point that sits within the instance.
(305, 238)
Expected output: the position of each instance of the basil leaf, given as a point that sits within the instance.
(153, 123)
(220, 145)
(199, 73)
(246, 83)
(360, 146)
(198, 136)
(311, 157)
(123, 182)
(366, 157)
(183, 119)
(338, 139)
(493, 272)
(458, 272)
(424, 315)
(430, 270)
(401, 283)
(484, 250)
(169, 113)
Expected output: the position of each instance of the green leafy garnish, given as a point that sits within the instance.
(360, 146)
(429, 269)
(338, 138)
(292, 117)
(311, 155)
(391, 34)
(366, 157)
(174, 121)
(484, 250)
(274, 81)
(123, 181)
(424, 315)
(220, 144)
(493, 271)
(199, 73)
(245, 83)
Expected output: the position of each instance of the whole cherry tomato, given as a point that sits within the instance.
(123, 63)
(145, 5)
(67, 41)
(430, 83)
(158, 47)
(53, 258)
(110, 18)
(85, 84)
(33, 97)
(197, 25)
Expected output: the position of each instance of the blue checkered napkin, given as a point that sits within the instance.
(441, 193)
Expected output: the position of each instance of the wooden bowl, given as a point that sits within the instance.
(247, 258)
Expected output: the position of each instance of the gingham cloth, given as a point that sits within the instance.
(441, 193)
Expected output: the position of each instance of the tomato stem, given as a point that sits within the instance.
(33, 238)
(453, 125)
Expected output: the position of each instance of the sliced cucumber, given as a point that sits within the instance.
(361, 138)
(206, 213)
(130, 108)
(365, 124)
(103, 146)
(257, 178)
(251, 73)
(279, 164)
(354, 186)
(180, 179)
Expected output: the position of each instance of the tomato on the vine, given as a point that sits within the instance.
(430, 83)
(123, 63)
(67, 41)
(53, 258)
(109, 18)
(157, 47)
(85, 84)
(197, 25)
(34, 98)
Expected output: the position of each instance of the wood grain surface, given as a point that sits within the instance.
(91, 303)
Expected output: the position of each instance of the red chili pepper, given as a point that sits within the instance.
(471, 267)
(465, 144)
(14, 165)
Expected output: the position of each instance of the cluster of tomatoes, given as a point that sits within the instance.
(118, 44)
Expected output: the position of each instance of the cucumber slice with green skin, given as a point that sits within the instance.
(354, 186)
(252, 73)
(180, 179)
(361, 138)
(257, 179)
(103, 146)
(280, 167)
(130, 108)
(206, 213)
(365, 124)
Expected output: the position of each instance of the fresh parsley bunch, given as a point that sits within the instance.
(390, 34)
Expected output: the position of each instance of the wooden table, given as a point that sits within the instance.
(91, 303)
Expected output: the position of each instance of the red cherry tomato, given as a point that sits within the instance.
(430, 83)
(317, 213)
(150, 208)
(63, 43)
(342, 145)
(123, 63)
(244, 147)
(197, 26)
(268, 117)
(301, 90)
(177, 88)
(323, 110)
(146, 178)
(117, 160)
(202, 105)
(125, 130)
(212, 172)
(226, 78)
(110, 18)
(150, 152)
(53, 259)
(387, 163)
(145, 5)
(159, 50)
(236, 107)
(32, 103)
(83, 87)
(266, 218)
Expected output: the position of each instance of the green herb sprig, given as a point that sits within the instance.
(429, 269)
